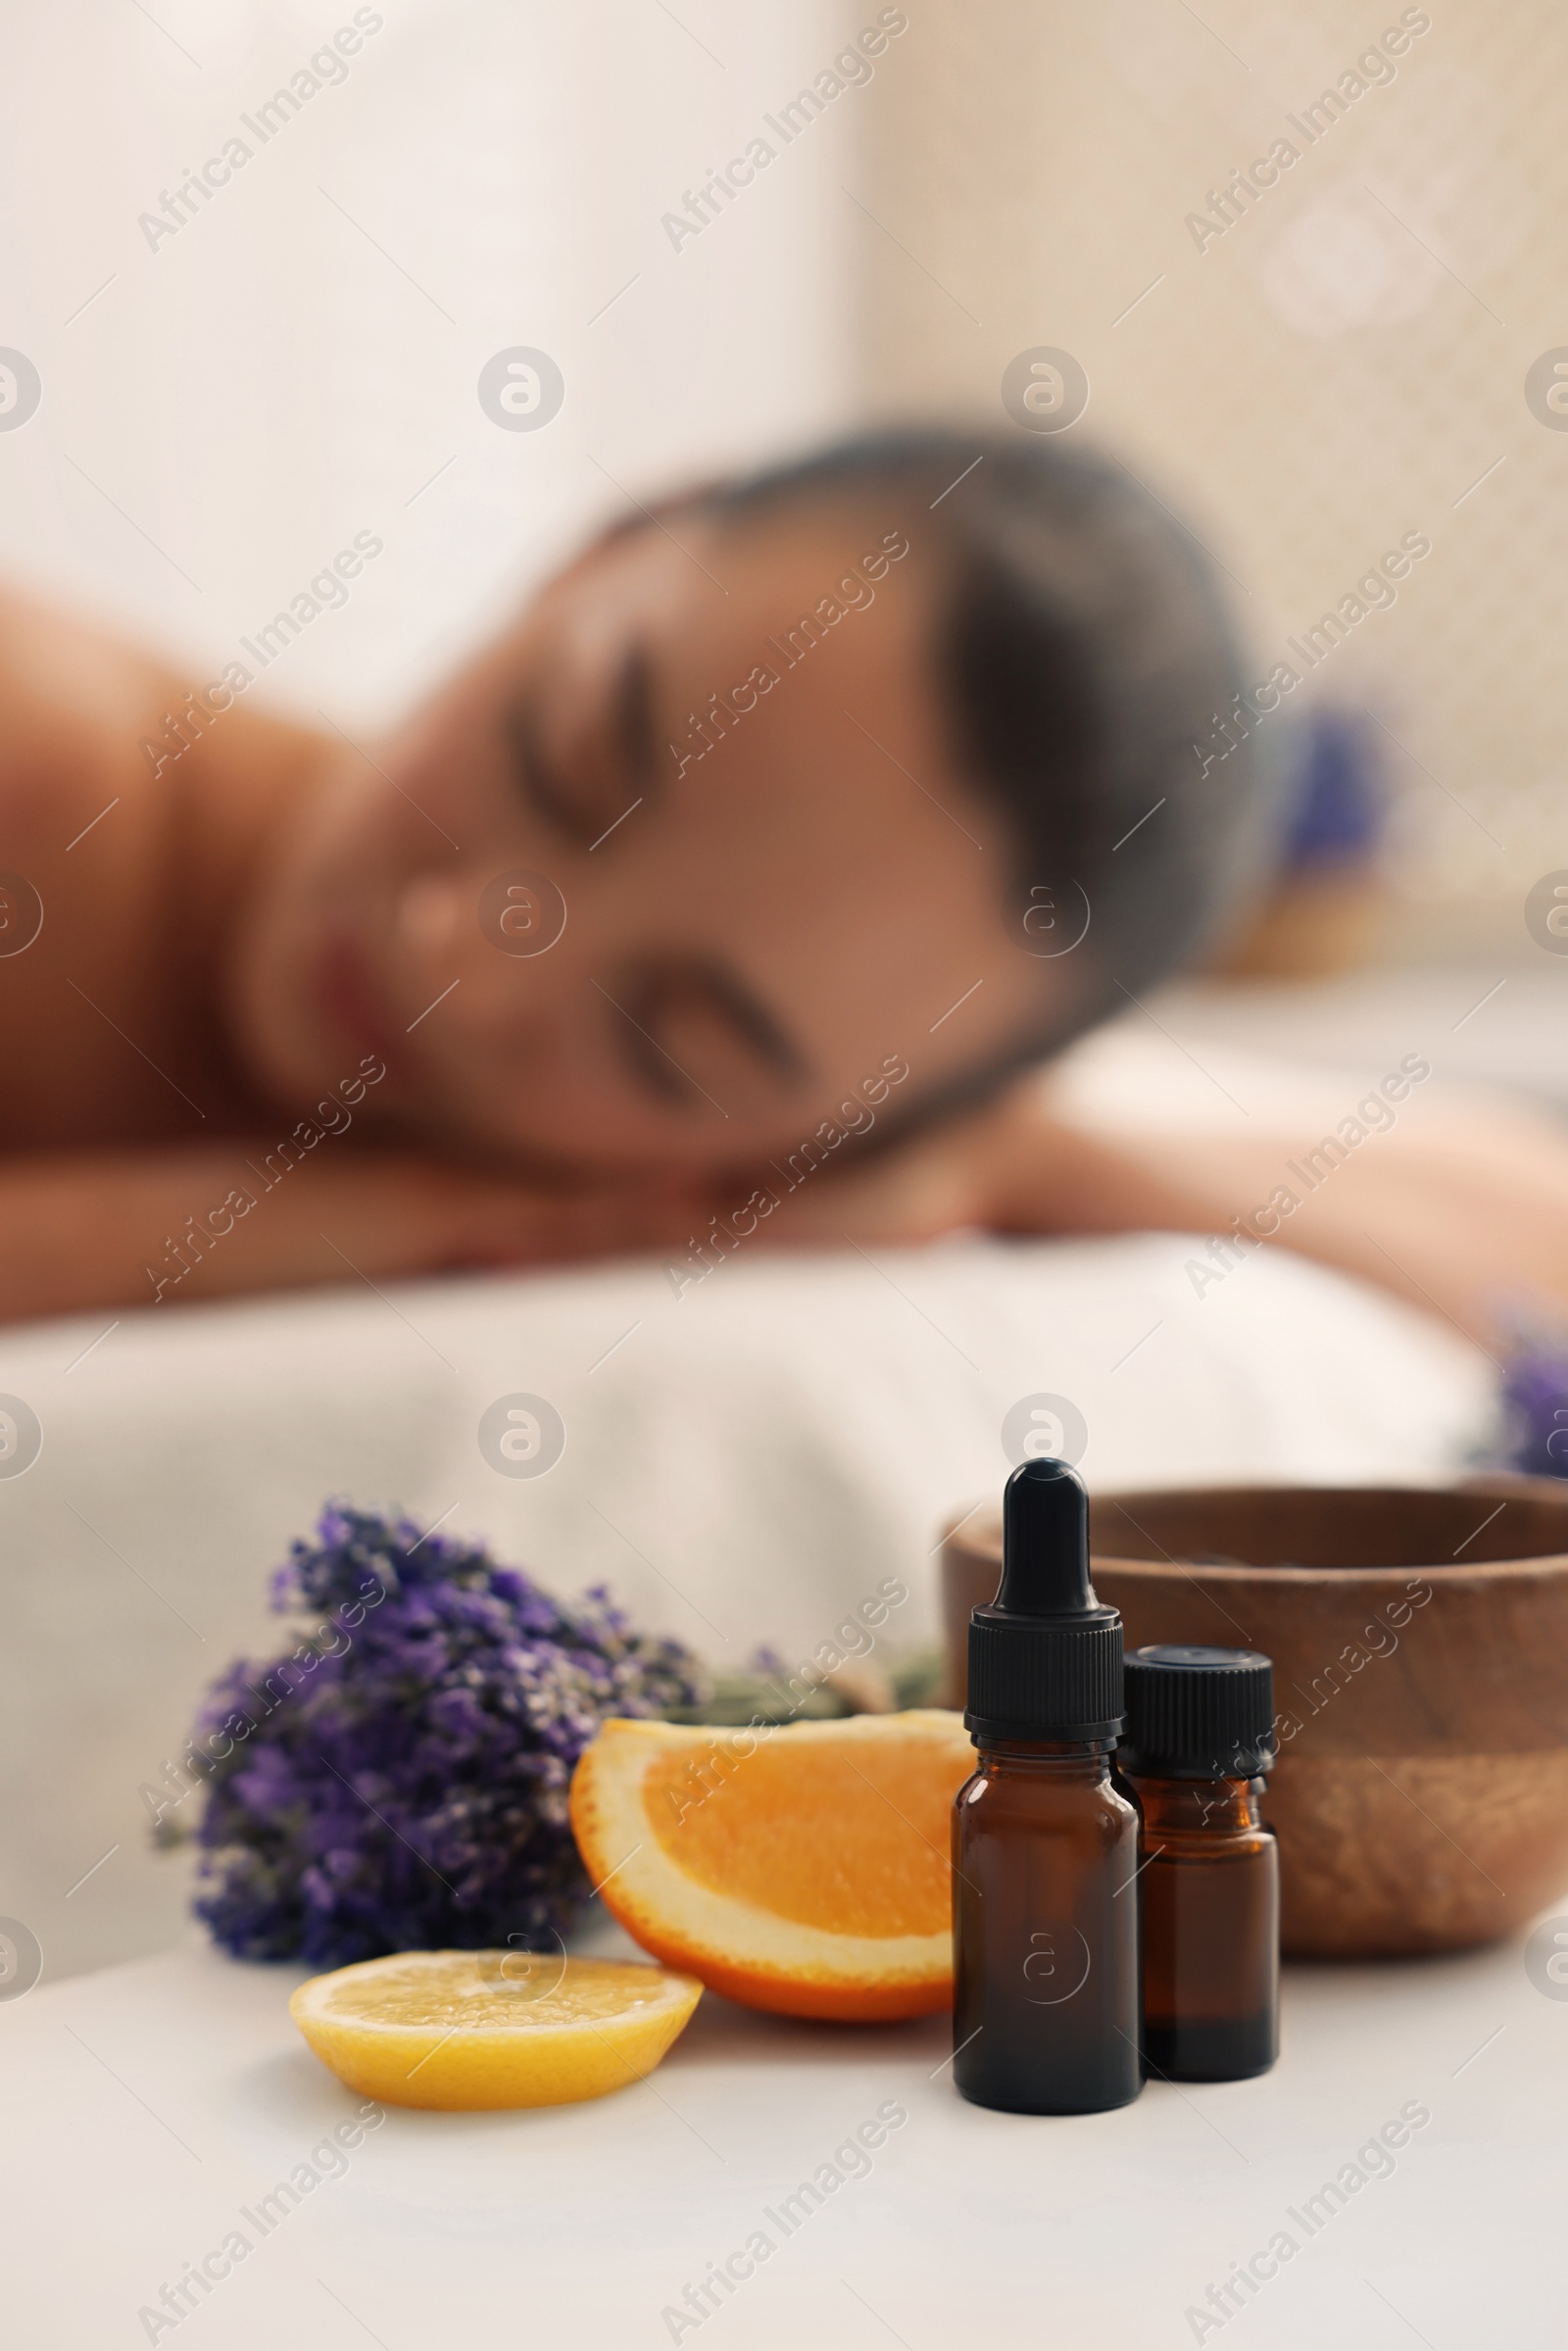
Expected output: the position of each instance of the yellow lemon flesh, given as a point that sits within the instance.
(455, 2030)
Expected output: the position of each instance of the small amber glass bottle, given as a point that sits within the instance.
(1044, 1847)
(1199, 1737)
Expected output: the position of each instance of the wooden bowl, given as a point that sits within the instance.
(1420, 1647)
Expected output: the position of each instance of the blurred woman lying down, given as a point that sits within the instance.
(791, 827)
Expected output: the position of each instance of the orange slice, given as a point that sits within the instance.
(803, 1869)
(458, 2030)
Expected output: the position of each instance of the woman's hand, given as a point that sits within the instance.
(1013, 1167)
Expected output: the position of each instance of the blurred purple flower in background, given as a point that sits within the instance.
(399, 1782)
(1534, 1401)
(1335, 790)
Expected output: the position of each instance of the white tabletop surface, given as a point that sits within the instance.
(146, 2106)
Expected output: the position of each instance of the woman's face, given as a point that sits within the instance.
(665, 876)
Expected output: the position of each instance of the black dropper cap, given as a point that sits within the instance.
(1198, 1714)
(1044, 1657)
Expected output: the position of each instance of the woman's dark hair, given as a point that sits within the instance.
(1086, 668)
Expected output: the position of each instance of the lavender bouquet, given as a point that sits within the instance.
(399, 1781)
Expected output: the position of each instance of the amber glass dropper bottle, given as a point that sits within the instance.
(1199, 1736)
(1045, 1850)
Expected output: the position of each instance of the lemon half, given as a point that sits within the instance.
(456, 2029)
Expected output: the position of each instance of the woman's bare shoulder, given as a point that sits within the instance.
(82, 708)
(130, 815)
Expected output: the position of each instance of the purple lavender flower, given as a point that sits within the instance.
(1535, 1398)
(399, 1781)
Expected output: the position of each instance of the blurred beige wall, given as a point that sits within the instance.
(224, 406)
(1338, 367)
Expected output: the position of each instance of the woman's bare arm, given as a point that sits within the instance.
(1466, 1217)
(87, 1230)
